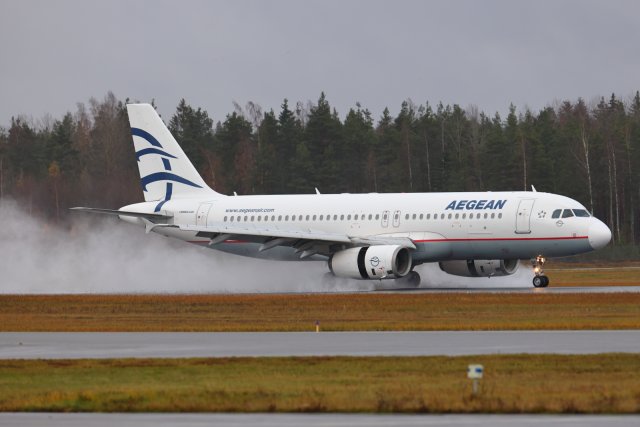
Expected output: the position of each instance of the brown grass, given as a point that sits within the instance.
(593, 274)
(336, 312)
(606, 383)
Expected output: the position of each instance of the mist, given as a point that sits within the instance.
(104, 255)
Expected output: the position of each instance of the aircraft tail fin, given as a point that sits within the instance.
(165, 171)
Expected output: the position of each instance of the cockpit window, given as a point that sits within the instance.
(556, 213)
(567, 213)
(583, 213)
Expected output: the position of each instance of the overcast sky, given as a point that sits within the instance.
(488, 53)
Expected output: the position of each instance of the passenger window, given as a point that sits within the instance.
(567, 213)
(273, 217)
(300, 217)
(293, 217)
(231, 219)
(225, 219)
(500, 215)
(279, 217)
(457, 216)
(406, 216)
(246, 218)
(335, 217)
(441, 216)
(259, 217)
(421, 216)
(286, 218)
(341, 217)
(377, 217)
(478, 216)
(449, 216)
(253, 218)
(307, 218)
(556, 213)
(370, 217)
(493, 215)
(321, 216)
(428, 216)
(486, 215)
(413, 217)
(581, 213)
(355, 217)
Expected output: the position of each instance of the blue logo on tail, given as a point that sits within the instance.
(159, 176)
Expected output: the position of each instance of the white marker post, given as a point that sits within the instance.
(474, 372)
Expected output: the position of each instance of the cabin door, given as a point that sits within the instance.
(203, 213)
(523, 217)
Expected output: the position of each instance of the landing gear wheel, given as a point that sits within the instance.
(540, 281)
(411, 280)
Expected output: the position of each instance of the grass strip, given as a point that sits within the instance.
(606, 383)
(335, 312)
(590, 275)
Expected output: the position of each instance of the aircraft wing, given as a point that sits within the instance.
(307, 240)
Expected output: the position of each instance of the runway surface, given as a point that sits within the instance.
(309, 420)
(100, 345)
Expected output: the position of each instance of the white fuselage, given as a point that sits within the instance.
(443, 226)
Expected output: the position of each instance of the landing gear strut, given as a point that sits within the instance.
(539, 280)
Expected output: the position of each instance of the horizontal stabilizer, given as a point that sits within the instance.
(150, 216)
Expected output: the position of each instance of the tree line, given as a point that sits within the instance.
(587, 152)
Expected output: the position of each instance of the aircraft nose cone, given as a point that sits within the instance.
(599, 235)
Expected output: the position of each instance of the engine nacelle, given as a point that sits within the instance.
(372, 262)
(480, 267)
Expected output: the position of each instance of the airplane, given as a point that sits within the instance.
(360, 236)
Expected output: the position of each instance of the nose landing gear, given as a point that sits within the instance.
(539, 280)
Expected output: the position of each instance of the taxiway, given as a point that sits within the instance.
(310, 420)
(100, 345)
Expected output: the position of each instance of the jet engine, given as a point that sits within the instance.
(372, 262)
(480, 267)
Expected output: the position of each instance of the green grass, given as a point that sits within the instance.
(606, 383)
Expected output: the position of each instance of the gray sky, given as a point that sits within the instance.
(488, 53)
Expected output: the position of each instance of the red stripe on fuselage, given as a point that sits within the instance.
(226, 241)
(483, 239)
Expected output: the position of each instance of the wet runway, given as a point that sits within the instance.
(310, 420)
(99, 345)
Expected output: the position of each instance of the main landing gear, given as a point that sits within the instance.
(539, 280)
